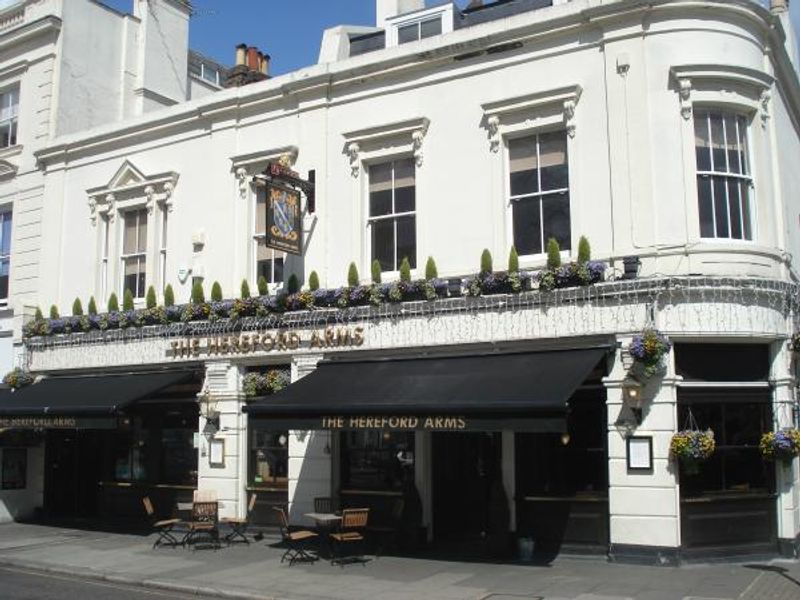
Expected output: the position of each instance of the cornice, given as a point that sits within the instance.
(29, 31)
(324, 79)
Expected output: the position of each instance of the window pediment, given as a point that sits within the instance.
(499, 113)
(7, 169)
(408, 134)
(130, 187)
(246, 165)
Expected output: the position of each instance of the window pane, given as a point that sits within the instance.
(701, 141)
(553, 161)
(431, 27)
(4, 269)
(262, 252)
(705, 206)
(408, 33)
(383, 243)
(380, 203)
(261, 212)
(721, 206)
(129, 243)
(407, 240)
(743, 158)
(527, 226)
(735, 209)
(194, 68)
(744, 191)
(5, 135)
(278, 270)
(264, 269)
(12, 136)
(380, 189)
(555, 214)
(5, 235)
(523, 165)
(376, 460)
(210, 74)
(404, 199)
(732, 142)
(717, 144)
(142, 231)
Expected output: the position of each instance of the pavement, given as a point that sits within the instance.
(255, 572)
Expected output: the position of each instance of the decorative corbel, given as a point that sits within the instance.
(764, 101)
(493, 124)
(353, 151)
(111, 207)
(417, 137)
(169, 188)
(93, 210)
(685, 90)
(241, 176)
(150, 192)
(569, 117)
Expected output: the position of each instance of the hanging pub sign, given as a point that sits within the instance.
(284, 227)
(284, 219)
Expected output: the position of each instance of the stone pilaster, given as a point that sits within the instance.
(310, 462)
(787, 476)
(222, 392)
(644, 505)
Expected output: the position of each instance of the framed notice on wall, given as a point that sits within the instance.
(284, 219)
(640, 453)
(216, 454)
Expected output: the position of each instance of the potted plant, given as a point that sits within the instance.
(647, 349)
(691, 448)
(17, 378)
(781, 445)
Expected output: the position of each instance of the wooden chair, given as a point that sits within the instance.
(387, 533)
(296, 540)
(354, 521)
(323, 505)
(238, 526)
(204, 523)
(162, 527)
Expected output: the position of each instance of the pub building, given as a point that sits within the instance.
(486, 411)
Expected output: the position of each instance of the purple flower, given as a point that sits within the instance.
(58, 325)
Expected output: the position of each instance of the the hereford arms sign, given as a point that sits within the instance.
(275, 341)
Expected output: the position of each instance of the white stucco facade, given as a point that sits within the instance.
(623, 80)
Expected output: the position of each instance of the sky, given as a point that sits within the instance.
(289, 31)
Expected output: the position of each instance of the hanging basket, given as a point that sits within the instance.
(782, 445)
(647, 350)
(692, 447)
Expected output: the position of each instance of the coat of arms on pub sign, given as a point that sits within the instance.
(284, 219)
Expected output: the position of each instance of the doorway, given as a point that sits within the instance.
(465, 468)
(72, 473)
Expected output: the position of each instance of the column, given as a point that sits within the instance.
(644, 506)
(787, 475)
(222, 394)
(309, 455)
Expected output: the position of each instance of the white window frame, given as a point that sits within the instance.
(7, 214)
(393, 215)
(727, 174)
(393, 24)
(142, 254)
(12, 92)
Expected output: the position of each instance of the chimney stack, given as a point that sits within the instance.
(251, 65)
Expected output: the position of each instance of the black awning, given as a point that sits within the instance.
(495, 388)
(101, 395)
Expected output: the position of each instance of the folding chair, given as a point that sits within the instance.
(162, 527)
(204, 522)
(353, 520)
(296, 540)
(238, 527)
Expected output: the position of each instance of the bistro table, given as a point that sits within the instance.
(325, 523)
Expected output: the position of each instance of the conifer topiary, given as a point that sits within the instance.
(150, 299)
(54, 312)
(553, 254)
(38, 314)
(352, 275)
(293, 285)
(127, 300)
(431, 272)
(245, 289)
(77, 308)
(313, 281)
(198, 296)
(169, 296)
(263, 286)
(486, 261)
(216, 292)
(113, 303)
(513, 260)
(376, 271)
(584, 250)
(92, 308)
(405, 269)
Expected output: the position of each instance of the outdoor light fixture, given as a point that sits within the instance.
(631, 264)
(208, 409)
(633, 397)
(565, 438)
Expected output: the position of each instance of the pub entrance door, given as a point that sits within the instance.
(72, 473)
(465, 467)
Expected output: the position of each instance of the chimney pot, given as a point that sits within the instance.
(241, 54)
(252, 58)
(265, 64)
